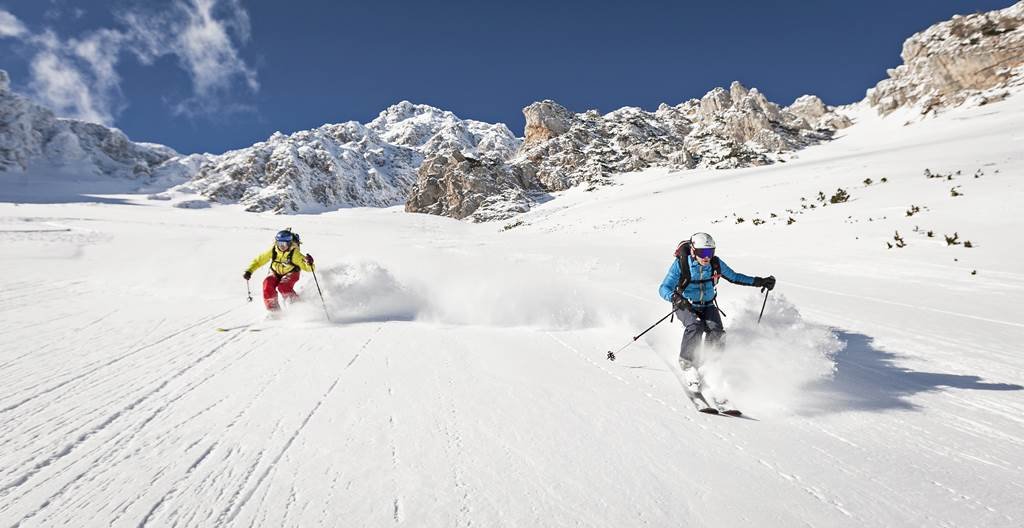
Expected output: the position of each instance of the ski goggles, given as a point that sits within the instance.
(704, 253)
(283, 245)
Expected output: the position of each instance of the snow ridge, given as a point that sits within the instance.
(344, 165)
(31, 136)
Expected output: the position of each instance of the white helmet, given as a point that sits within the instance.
(702, 241)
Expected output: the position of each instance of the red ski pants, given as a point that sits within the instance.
(284, 284)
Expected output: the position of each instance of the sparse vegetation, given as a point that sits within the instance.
(885, 180)
(913, 209)
(513, 225)
(757, 221)
(954, 192)
(790, 221)
(967, 244)
(840, 196)
(773, 215)
(974, 272)
(868, 181)
(930, 233)
(739, 220)
(952, 240)
(821, 197)
(899, 240)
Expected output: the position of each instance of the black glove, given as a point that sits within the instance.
(767, 283)
(309, 259)
(679, 302)
(247, 275)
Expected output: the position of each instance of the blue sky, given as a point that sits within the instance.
(212, 75)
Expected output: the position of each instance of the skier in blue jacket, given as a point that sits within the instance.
(692, 291)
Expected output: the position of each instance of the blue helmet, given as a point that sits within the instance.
(284, 236)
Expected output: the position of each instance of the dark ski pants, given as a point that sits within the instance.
(284, 284)
(697, 322)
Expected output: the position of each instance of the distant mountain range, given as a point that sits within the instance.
(434, 162)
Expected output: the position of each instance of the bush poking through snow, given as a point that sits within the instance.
(899, 240)
(790, 221)
(952, 240)
(868, 181)
(954, 193)
(967, 244)
(839, 197)
(885, 180)
(913, 209)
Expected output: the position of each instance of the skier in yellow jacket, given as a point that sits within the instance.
(285, 262)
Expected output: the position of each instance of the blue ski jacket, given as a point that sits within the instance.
(701, 290)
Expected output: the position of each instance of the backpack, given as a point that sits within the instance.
(683, 251)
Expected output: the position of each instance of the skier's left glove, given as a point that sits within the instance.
(309, 259)
(247, 275)
(767, 283)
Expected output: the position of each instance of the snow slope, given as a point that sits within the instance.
(464, 380)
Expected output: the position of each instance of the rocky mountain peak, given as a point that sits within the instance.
(973, 57)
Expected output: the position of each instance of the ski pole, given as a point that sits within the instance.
(766, 291)
(248, 289)
(611, 355)
(322, 301)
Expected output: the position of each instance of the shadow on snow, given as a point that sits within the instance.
(869, 379)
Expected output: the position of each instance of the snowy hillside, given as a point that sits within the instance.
(38, 150)
(344, 165)
(464, 380)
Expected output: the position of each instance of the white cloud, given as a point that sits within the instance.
(78, 77)
(60, 85)
(201, 34)
(10, 26)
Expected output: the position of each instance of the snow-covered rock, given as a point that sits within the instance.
(730, 128)
(972, 57)
(347, 164)
(32, 136)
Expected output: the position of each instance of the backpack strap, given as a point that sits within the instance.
(273, 259)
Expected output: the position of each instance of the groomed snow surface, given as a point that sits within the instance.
(463, 380)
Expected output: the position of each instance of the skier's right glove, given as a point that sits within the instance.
(679, 302)
(767, 283)
(247, 275)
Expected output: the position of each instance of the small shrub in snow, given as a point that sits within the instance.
(739, 220)
(757, 221)
(967, 244)
(954, 193)
(773, 215)
(930, 233)
(885, 180)
(821, 197)
(889, 244)
(791, 221)
(952, 240)
(899, 240)
(974, 272)
(913, 209)
(868, 181)
(513, 225)
(840, 196)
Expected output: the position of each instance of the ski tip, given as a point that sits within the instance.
(222, 329)
(708, 410)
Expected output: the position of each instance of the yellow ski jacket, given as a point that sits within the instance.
(281, 262)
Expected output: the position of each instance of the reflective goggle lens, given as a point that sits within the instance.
(704, 253)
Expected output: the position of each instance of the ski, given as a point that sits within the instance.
(700, 403)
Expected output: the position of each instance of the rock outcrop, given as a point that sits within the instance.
(730, 128)
(969, 57)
